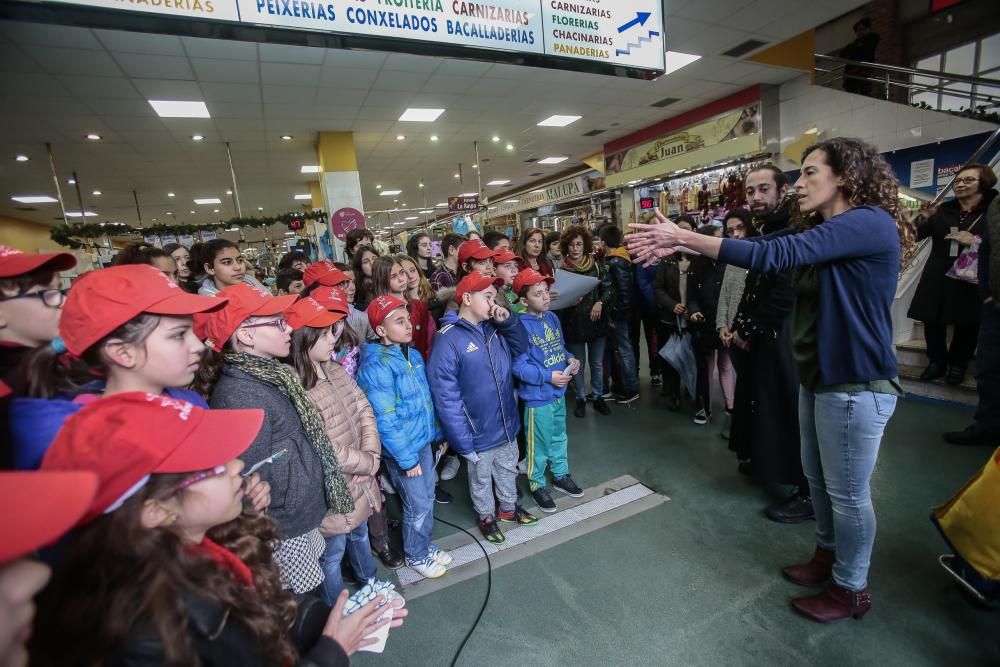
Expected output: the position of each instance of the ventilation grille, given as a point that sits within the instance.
(26, 209)
(594, 133)
(744, 48)
(537, 173)
(665, 102)
(531, 159)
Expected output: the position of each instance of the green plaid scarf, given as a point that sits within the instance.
(272, 372)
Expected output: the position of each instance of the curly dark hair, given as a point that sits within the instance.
(868, 181)
(571, 233)
(114, 573)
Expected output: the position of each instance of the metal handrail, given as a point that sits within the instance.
(991, 99)
(960, 78)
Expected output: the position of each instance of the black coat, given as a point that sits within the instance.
(220, 639)
(575, 321)
(940, 299)
(667, 286)
(621, 274)
(703, 289)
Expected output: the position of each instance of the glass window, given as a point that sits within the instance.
(927, 98)
(933, 63)
(960, 60)
(989, 53)
(956, 102)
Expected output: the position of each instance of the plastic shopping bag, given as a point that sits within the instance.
(679, 353)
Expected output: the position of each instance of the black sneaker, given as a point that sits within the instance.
(702, 416)
(442, 497)
(544, 499)
(656, 380)
(796, 509)
(971, 436)
(601, 406)
(627, 398)
(567, 486)
(581, 408)
(491, 531)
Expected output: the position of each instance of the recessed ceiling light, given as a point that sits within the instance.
(287, 137)
(511, 201)
(192, 212)
(22, 158)
(559, 121)
(229, 192)
(171, 194)
(404, 204)
(495, 138)
(34, 199)
(458, 176)
(197, 137)
(400, 137)
(510, 147)
(434, 137)
(154, 219)
(208, 200)
(303, 196)
(413, 217)
(421, 115)
(310, 169)
(72, 181)
(77, 214)
(475, 166)
(553, 160)
(94, 137)
(215, 210)
(500, 181)
(97, 193)
(179, 109)
(389, 193)
(260, 208)
(677, 60)
(421, 185)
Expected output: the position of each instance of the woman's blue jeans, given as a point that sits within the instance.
(594, 350)
(359, 555)
(841, 434)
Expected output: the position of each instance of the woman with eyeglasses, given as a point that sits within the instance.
(941, 301)
(247, 339)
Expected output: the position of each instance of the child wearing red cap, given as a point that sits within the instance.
(350, 425)
(479, 417)
(169, 565)
(31, 301)
(543, 373)
(131, 326)
(247, 338)
(506, 267)
(392, 376)
(474, 255)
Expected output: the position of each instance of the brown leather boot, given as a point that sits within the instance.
(834, 603)
(813, 573)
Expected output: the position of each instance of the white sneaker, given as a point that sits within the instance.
(386, 484)
(440, 555)
(450, 467)
(522, 467)
(428, 567)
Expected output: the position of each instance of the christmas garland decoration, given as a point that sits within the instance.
(69, 235)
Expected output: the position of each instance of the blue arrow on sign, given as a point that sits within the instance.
(640, 19)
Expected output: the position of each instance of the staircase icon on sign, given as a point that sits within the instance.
(643, 39)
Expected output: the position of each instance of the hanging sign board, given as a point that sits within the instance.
(463, 204)
(346, 220)
(625, 33)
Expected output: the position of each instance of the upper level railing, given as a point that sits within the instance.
(902, 84)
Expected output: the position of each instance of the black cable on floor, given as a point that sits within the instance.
(489, 589)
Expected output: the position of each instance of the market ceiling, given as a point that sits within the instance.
(87, 92)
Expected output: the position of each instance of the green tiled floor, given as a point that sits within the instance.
(696, 580)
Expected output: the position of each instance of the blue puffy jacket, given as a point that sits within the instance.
(470, 374)
(34, 422)
(397, 389)
(546, 353)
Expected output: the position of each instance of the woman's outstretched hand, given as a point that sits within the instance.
(648, 243)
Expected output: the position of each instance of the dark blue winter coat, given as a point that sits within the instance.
(470, 374)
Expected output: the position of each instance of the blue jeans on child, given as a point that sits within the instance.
(359, 554)
(417, 494)
(841, 433)
(580, 351)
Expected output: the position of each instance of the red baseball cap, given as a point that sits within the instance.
(307, 312)
(332, 298)
(40, 507)
(323, 273)
(473, 249)
(243, 302)
(381, 307)
(475, 282)
(127, 437)
(504, 255)
(16, 263)
(101, 301)
(529, 277)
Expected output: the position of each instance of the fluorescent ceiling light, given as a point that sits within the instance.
(287, 137)
(395, 224)
(511, 201)
(34, 199)
(22, 158)
(94, 137)
(310, 169)
(303, 196)
(400, 137)
(443, 204)
(413, 217)
(77, 214)
(434, 137)
(178, 109)
(389, 193)
(171, 194)
(209, 200)
(97, 193)
(553, 160)
(233, 229)
(428, 211)
(559, 121)
(197, 137)
(421, 115)
(500, 181)
(470, 194)
(536, 191)
(289, 233)
(677, 60)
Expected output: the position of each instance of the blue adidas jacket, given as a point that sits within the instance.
(546, 353)
(397, 389)
(34, 422)
(470, 374)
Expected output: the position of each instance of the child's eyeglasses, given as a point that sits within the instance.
(281, 324)
(53, 298)
(191, 480)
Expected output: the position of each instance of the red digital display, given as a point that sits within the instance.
(938, 5)
(646, 203)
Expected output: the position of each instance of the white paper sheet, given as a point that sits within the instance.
(571, 286)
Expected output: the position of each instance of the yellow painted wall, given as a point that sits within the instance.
(26, 236)
(797, 52)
